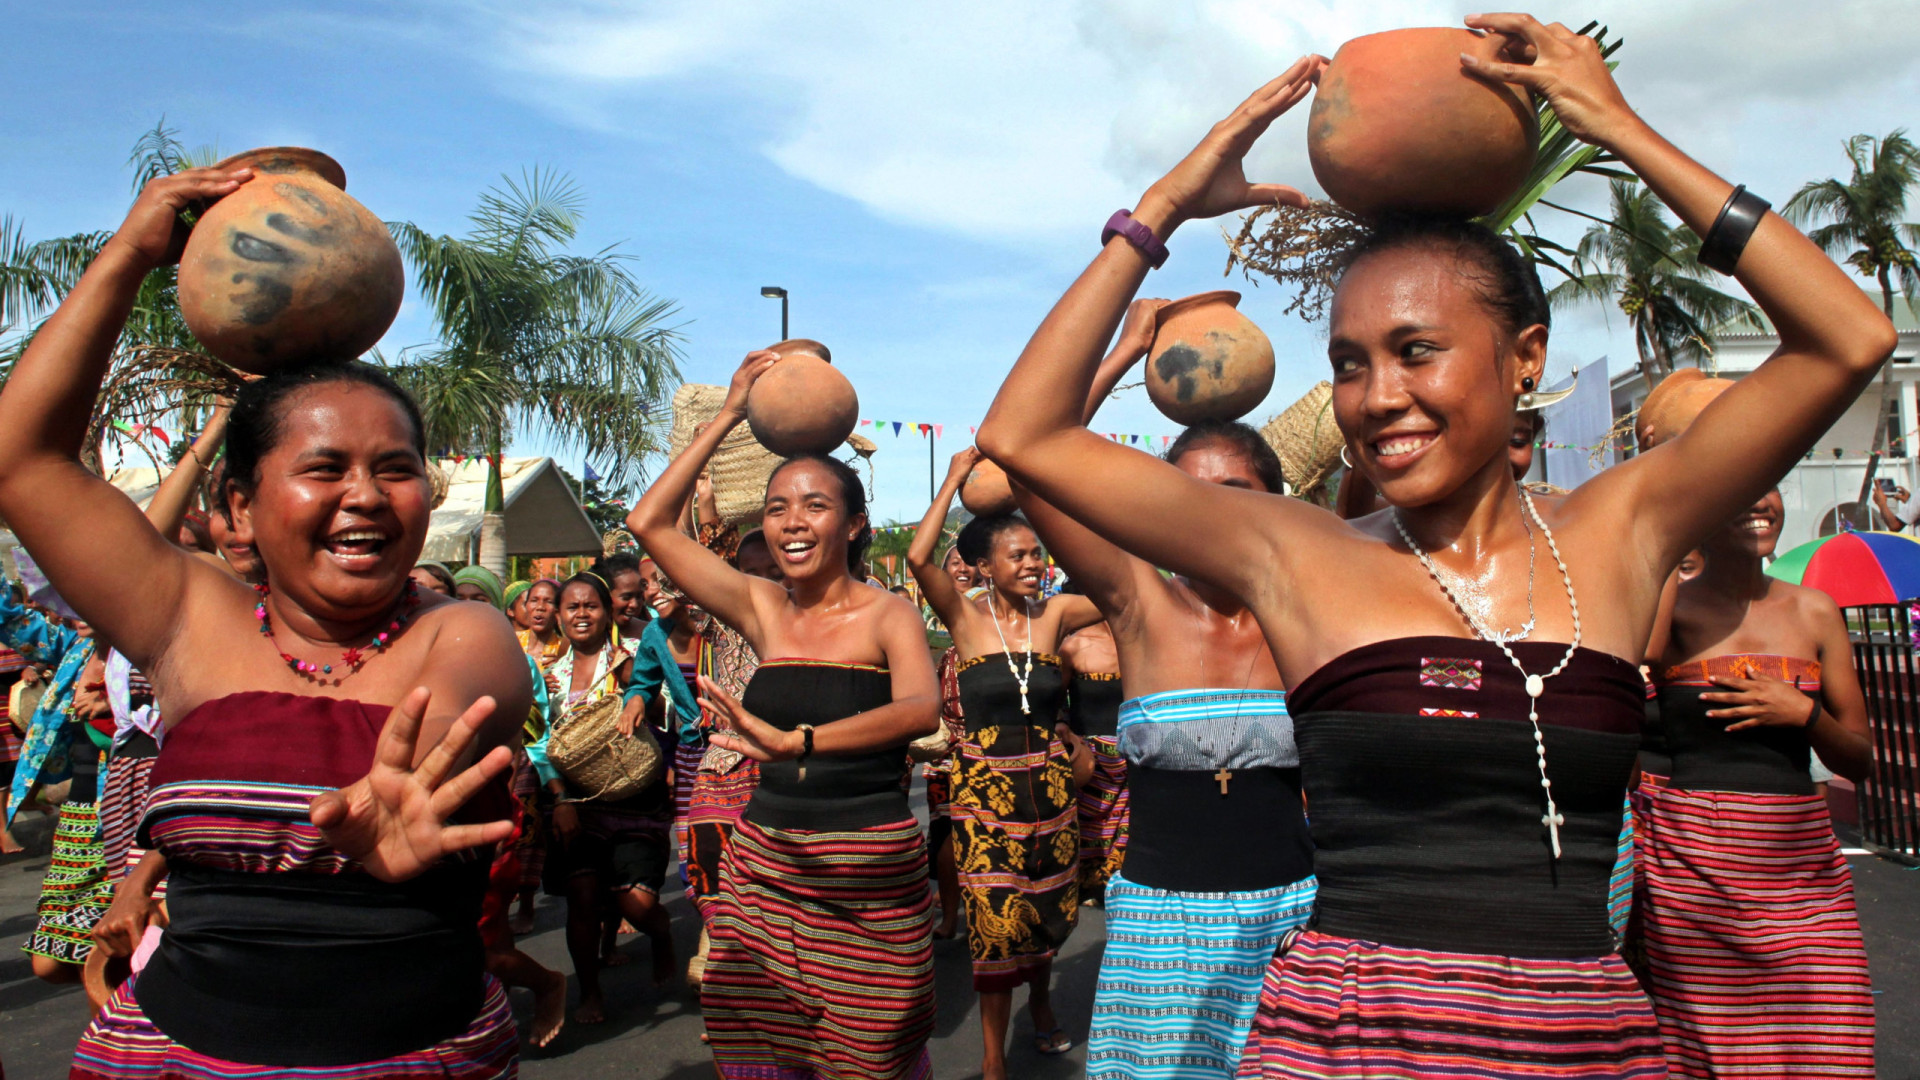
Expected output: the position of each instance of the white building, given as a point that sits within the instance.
(1831, 475)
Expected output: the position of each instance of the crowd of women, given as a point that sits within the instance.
(1369, 793)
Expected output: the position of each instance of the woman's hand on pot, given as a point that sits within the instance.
(1554, 62)
(963, 462)
(153, 232)
(756, 364)
(1212, 180)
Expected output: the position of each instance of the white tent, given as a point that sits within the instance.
(543, 516)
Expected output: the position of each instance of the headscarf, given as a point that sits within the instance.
(487, 580)
(513, 593)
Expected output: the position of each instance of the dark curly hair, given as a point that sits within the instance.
(1245, 440)
(852, 493)
(1506, 282)
(258, 420)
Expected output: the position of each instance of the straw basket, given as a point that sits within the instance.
(590, 752)
(1308, 441)
(740, 468)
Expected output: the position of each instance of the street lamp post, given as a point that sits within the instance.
(771, 292)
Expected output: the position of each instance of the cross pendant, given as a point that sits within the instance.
(1223, 776)
(1553, 819)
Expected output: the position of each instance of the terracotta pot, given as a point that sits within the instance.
(987, 491)
(1673, 406)
(1397, 124)
(1208, 361)
(802, 406)
(288, 269)
(102, 975)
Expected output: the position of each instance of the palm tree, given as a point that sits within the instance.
(1650, 267)
(532, 336)
(1864, 228)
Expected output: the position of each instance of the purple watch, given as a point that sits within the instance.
(1141, 237)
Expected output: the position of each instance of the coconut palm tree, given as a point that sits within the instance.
(1863, 226)
(534, 337)
(1650, 267)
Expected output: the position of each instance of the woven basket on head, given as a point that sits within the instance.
(441, 483)
(1307, 440)
(740, 467)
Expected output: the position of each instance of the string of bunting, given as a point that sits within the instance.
(939, 431)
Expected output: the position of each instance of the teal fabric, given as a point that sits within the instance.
(542, 708)
(48, 645)
(654, 666)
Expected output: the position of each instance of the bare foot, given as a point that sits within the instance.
(626, 928)
(614, 959)
(947, 928)
(521, 924)
(550, 1010)
(10, 846)
(592, 1010)
(665, 964)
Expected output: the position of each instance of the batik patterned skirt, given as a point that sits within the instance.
(714, 809)
(1338, 1008)
(1752, 943)
(821, 963)
(122, 1044)
(1017, 847)
(70, 903)
(1103, 816)
(1181, 977)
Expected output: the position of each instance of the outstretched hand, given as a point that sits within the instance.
(743, 732)
(393, 821)
(1212, 180)
(1550, 60)
(153, 231)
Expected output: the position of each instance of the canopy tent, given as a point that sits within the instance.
(543, 515)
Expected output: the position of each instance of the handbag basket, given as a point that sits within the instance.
(932, 747)
(590, 752)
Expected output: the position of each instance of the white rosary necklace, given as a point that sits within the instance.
(1018, 676)
(1536, 684)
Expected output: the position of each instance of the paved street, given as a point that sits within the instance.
(655, 1034)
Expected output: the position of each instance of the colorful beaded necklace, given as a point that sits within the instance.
(352, 658)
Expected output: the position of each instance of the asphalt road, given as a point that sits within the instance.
(654, 1033)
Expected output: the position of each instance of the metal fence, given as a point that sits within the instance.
(1884, 655)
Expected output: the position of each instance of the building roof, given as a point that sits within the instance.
(1906, 318)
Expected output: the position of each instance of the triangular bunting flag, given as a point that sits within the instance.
(938, 429)
(159, 434)
(124, 427)
(896, 429)
(864, 423)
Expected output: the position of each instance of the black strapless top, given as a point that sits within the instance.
(1424, 795)
(990, 693)
(1093, 705)
(1705, 756)
(840, 791)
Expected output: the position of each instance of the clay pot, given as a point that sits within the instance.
(288, 269)
(802, 405)
(1397, 124)
(987, 491)
(1208, 361)
(1673, 405)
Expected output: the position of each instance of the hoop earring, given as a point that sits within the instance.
(1344, 460)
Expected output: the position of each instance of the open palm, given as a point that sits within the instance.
(393, 821)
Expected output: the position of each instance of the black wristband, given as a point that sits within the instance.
(1814, 719)
(806, 741)
(1720, 251)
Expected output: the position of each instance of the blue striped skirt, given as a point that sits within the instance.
(1181, 978)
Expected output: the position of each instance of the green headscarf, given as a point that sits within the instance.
(513, 593)
(487, 580)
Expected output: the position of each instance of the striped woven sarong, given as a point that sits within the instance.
(821, 966)
(122, 1044)
(1753, 951)
(1103, 816)
(69, 894)
(686, 768)
(123, 798)
(1335, 1007)
(714, 810)
(1181, 978)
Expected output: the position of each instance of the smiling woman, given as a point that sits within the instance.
(282, 800)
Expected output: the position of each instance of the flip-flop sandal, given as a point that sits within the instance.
(1052, 1043)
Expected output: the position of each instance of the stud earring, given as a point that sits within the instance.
(1526, 382)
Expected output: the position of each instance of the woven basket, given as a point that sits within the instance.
(588, 749)
(740, 468)
(1307, 440)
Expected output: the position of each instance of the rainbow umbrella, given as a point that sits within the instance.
(1855, 568)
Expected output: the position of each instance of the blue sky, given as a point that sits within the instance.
(925, 180)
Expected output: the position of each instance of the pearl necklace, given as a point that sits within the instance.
(1536, 684)
(1018, 676)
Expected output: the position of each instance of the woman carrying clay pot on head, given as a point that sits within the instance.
(821, 962)
(1465, 777)
(1014, 808)
(319, 729)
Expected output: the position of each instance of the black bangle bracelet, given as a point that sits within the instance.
(1721, 250)
(1814, 719)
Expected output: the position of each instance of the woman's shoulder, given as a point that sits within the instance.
(465, 624)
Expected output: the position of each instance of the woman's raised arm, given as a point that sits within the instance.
(1832, 337)
(1035, 429)
(95, 546)
(942, 595)
(655, 521)
(171, 500)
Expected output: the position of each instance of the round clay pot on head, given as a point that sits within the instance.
(1208, 361)
(792, 346)
(802, 405)
(289, 269)
(1673, 405)
(987, 491)
(1397, 124)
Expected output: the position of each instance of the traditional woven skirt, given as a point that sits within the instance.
(821, 966)
(530, 845)
(122, 1044)
(1181, 977)
(1335, 1007)
(1752, 943)
(713, 811)
(70, 894)
(686, 769)
(1103, 816)
(1017, 847)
